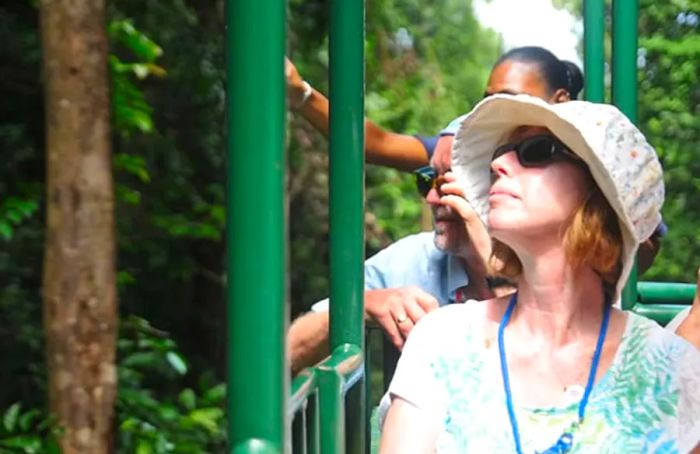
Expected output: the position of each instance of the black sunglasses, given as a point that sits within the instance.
(426, 179)
(537, 151)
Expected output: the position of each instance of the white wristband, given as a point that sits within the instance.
(307, 93)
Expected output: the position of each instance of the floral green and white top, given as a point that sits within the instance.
(647, 402)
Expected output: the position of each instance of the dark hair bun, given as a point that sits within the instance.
(575, 78)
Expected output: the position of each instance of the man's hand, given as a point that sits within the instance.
(479, 239)
(689, 329)
(397, 310)
(295, 84)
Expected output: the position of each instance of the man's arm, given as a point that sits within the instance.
(307, 340)
(396, 311)
(383, 147)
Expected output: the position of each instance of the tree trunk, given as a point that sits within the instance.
(79, 288)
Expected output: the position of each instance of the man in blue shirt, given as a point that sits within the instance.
(417, 273)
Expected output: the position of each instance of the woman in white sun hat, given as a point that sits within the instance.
(568, 192)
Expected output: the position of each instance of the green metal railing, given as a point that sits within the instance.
(324, 409)
(662, 301)
(257, 385)
(624, 90)
(347, 239)
(334, 390)
(594, 54)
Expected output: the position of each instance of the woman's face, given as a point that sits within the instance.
(534, 201)
(514, 78)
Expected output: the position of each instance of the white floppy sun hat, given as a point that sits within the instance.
(623, 164)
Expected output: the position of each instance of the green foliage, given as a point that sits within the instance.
(130, 110)
(13, 211)
(27, 432)
(669, 113)
(155, 414)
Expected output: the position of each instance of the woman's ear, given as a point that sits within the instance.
(561, 95)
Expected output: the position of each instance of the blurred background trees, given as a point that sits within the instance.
(427, 62)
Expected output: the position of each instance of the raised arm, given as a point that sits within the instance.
(400, 151)
(689, 329)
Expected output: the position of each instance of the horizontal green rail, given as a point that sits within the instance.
(665, 293)
(318, 393)
(661, 301)
(255, 446)
(304, 385)
(346, 361)
(661, 313)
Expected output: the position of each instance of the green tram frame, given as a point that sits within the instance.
(324, 409)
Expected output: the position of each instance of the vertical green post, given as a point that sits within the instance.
(257, 384)
(593, 50)
(624, 89)
(347, 172)
(347, 33)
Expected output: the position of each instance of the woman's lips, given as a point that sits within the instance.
(502, 194)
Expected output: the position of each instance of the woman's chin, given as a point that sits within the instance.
(502, 222)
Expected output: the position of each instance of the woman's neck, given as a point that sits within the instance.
(557, 303)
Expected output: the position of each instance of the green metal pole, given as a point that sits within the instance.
(331, 411)
(346, 45)
(624, 89)
(593, 50)
(257, 384)
(346, 172)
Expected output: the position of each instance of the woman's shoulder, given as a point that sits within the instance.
(469, 313)
(456, 324)
(662, 370)
(656, 335)
(661, 348)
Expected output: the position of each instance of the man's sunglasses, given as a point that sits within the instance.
(537, 151)
(427, 179)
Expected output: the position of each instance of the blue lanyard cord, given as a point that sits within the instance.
(504, 373)
(565, 441)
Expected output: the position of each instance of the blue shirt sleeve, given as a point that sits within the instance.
(661, 230)
(429, 143)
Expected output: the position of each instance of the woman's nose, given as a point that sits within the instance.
(503, 165)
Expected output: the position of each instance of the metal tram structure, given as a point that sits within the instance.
(324, 408)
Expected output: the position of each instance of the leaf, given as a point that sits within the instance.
(215, 395)
(207, 418)
(6, 230)
(27, 419)
(125, 278)
(10, 418)
(176, 362)
(143, 447)
(141, 359)
(188, 399)
(29, 444)
(124, 32)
